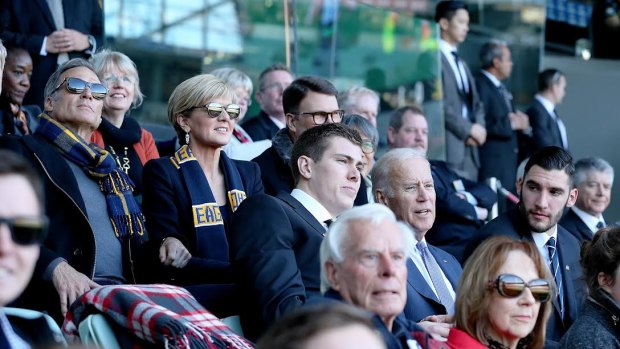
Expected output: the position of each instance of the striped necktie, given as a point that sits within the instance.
(436, 277)
(554, 266)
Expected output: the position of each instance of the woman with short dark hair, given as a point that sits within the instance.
(598, 324)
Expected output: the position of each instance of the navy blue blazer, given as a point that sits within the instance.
(421, 300)
(26, 23)
(456, 222)
(260, 127)
(498, 155)
(276, 173)
(513, 225)
(274, 251)
(167, 207)
(545, 131)
(576, 226)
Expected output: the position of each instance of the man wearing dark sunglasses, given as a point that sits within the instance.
(96, 227)
(308, 102)
(546, 191)
(22, 229)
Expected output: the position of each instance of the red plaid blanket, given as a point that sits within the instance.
(165, 315)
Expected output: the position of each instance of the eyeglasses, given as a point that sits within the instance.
(26, 230)
(368, 147)
(214, 110)
(113, 79)
(320, 117)
(77, 86)
(511, 286)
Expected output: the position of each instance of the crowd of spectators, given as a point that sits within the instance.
(289, 219)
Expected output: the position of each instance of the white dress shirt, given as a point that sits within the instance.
(589, 220)
(318, 211)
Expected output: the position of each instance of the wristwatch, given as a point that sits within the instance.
(92, 45)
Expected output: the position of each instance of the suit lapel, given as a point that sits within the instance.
(451, 274)
(418, 283)
(302, 212)
(570, 308)
(47, 14)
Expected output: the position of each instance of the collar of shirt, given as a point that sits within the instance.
(541, 239)
(588, 219)
(14, 340)
(278, 123)
(318, 211)
(491, 77)
(446, 48)
(549, 106)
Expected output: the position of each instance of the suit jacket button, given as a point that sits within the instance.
(77, 252)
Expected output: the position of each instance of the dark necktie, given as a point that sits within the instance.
(328, 222)
(554, 266)
(434, 271)
(240, 137)
(507, 97)
(464, 84)
(600, 225)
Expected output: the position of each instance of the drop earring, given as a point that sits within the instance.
(187, 137)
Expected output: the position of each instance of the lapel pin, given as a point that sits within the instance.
(445, 261)
(567, 267)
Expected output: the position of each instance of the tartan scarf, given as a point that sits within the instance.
(211, 242)
(165, 315)
(123, 210)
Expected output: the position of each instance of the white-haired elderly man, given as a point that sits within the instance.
(364, 263)
(593, 178)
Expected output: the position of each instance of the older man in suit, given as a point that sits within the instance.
(548, 129)
(402, 181)
(593, 179)
(463, 112)
(274, 241)
(546, 191)
(52, 31)
(499, 154)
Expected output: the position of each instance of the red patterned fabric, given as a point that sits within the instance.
(165, 315)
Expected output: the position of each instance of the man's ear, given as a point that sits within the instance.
(332, 275)
(444, 23)
(48, 106)
(381, 198)
(391, 134)
(290, 121)
(304, 164)
(572, 197)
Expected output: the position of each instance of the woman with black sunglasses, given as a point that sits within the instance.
(189, 198)
(503, 297)
(131, 145)
(598, 324)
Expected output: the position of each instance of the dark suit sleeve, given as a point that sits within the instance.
(263, 258)
(541, 137)
(497, 122)
(11, 35)
(483, 193)
(447, 202)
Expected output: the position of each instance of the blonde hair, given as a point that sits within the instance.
(193, 92)
(106, 60)
(473, 297)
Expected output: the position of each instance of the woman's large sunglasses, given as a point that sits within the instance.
(77, 86)
(214, 110)
(511, 286)
(26, 230)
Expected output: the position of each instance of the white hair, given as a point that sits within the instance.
(340, 231)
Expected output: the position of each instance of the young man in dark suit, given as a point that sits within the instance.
(274, 241)
(593, 179)
(307, 102)
(546, 191)
(463, 112)
(548, 129)
(271, 84)
(499, 154)
(402, 181)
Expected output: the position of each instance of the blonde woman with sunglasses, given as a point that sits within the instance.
(131, 145)
(503, 298)
(190, 197)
